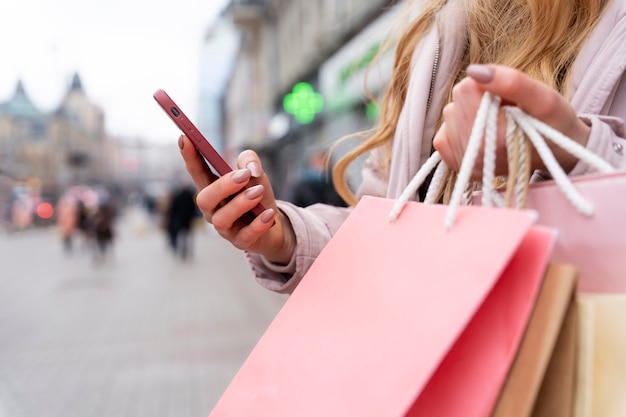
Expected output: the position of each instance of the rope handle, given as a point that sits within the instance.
(519, 126)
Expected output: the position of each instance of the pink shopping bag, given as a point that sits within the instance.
(596, 244)
(586, 211)
(399, 319)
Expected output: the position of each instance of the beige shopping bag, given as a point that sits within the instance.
(541, 380)
(601, 373)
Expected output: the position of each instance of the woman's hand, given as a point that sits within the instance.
(514, 88)
(224, 200)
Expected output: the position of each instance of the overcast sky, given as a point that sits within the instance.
(123, 51)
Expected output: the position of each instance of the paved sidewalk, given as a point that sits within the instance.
(143, 334)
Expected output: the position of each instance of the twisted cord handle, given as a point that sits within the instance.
(485, 126)
(415, 183)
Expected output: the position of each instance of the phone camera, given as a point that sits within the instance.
(175, 111)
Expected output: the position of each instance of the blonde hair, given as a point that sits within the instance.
(538, 37)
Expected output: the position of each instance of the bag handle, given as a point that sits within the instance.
(485, 127)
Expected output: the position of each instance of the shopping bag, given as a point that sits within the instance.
(595, 244)
(399, 319)
(589, 221)
(600, 387)
(586, 210)
(542, 378)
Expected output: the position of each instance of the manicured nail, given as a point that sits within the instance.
(181, 142)
(267, 216)
(255, 169)
(254, 192)
(242, 175)
(481, 73)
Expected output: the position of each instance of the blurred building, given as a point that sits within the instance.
(142, 162)
(219, 47)
(297, 81)
(52, 150)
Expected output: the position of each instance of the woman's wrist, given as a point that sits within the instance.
(283, 253)
(580, 134)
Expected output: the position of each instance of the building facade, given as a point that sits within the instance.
(52, 150)
(219, 46)
(282, 98)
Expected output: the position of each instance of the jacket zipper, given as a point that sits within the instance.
(432, 79)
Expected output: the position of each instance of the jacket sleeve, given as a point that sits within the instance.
(313, 226)
(606, 140)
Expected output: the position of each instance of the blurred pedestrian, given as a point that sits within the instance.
(6, 187)
(179, 217)
(102, 225)
(67, 220)
(315, 184)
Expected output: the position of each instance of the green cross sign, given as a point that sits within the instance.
(303, 103)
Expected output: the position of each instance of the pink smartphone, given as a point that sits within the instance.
(203, 146)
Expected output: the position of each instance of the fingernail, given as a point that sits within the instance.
(481, 73)
(181, 143)
(242, 175)
(255, 169)
(267, 216)
(254, 192)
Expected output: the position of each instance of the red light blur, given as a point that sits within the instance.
(45, 210)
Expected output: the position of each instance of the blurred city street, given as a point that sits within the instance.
(144, 332)
(140, 334)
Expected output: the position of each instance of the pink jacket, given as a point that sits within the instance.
(598, 95)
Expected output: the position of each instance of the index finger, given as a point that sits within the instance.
(533, 97)
(200, 172)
